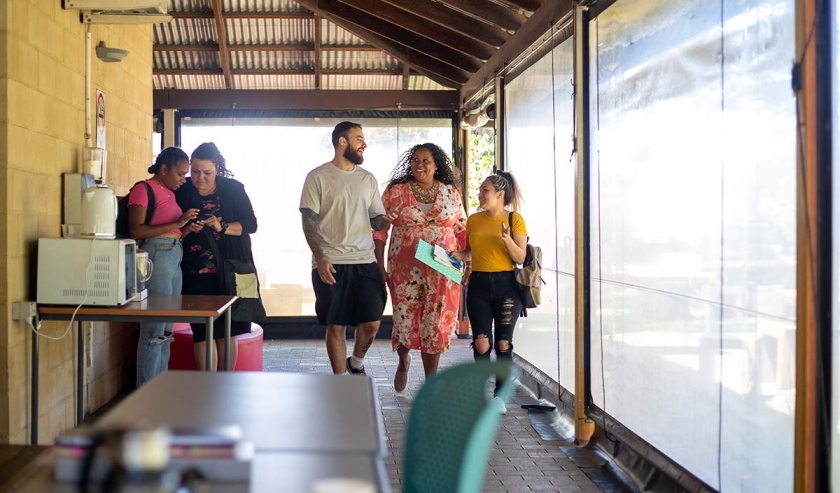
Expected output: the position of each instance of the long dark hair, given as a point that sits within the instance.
(504, 181)
(444, 169)
(169, 157)
(209, 152)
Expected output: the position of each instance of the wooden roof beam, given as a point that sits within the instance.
(395, 34)
(529, 5)
(422, 27)
(317, 35)
(221, 38)
(421, 62)
(305, 99)
(489, 12)
(536, 26)
(454, 20)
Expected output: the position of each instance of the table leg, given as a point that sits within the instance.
(33, 419)
(210, 344)
(227, 340)
(80, 376)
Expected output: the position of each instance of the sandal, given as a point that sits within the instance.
(401, 377)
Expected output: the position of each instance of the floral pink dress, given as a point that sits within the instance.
(425, 302)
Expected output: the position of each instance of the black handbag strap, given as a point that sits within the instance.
(220, 261)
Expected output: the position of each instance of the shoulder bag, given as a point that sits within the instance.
(239, 277)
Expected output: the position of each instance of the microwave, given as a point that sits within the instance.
(76, 271)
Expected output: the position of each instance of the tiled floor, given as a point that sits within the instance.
(520, 461)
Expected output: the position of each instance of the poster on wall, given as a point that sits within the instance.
(100, 118)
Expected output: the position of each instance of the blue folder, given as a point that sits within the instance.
(425, 253)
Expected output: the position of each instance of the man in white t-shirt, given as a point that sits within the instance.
(340, 203)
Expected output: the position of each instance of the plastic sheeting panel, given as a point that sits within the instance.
(539, 145)
(693, 233)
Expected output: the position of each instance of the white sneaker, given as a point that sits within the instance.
(500, 404)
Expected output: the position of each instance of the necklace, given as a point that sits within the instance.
(164, 187)
(424, 196)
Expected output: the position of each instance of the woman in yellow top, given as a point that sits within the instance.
(494, 247)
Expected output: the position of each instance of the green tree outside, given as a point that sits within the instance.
(480, 162)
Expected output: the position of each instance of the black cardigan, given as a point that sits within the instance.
(235, 206)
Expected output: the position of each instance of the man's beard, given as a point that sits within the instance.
(353, 156)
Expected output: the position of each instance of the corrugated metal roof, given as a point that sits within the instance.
(272, 60)
(359, 60)
(266, 31)
(269, 31)
(189, 60)
(374, 82)
(332, 34)
(261, 6)
(423, 83)
(189, 82)
(274, 81)
(190, 5)
(186, 31)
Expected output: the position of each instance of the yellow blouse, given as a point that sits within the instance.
(484, 239)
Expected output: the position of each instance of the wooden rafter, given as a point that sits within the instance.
(307, 47)
(536, 26)
(490, 12)
(221, 36)
(419, 61)
(529, 5)
(316, 32)
(406, 76)
(410, 40)
(422, 27)
(454, 20)
(304, 99)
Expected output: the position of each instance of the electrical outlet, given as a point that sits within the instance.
(22, 310)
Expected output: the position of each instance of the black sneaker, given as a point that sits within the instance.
(353, 371)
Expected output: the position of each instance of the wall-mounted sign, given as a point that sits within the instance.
(100, 119)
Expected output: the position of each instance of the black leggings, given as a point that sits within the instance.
(493, 300)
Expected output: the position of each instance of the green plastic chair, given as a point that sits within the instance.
(452, 427)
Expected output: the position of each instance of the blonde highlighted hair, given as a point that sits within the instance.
(505, 182)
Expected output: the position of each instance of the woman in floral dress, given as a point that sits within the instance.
(422, 190)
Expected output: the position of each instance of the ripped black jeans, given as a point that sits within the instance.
(493, 305)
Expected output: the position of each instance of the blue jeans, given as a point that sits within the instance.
(155, 337)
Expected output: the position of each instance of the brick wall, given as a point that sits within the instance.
(42, 98)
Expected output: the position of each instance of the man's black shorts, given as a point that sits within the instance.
(358, 295)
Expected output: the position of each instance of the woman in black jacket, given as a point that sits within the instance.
(225, 217)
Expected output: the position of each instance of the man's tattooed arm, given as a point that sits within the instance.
(382, 221)
(311, 232)
(379, 223)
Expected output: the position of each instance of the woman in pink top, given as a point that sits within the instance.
(160, 236)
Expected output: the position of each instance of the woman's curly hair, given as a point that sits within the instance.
(445, 171)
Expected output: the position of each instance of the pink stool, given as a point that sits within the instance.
(250, 356)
